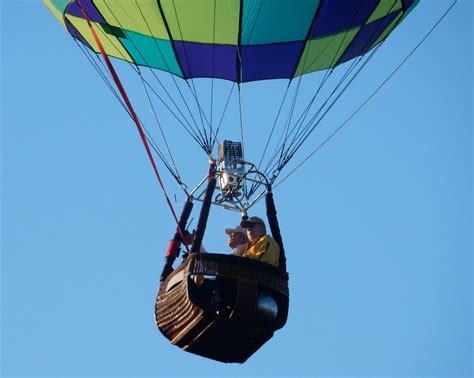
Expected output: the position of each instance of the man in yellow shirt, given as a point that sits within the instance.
(262, 247)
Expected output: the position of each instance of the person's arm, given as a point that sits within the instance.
(189, 239)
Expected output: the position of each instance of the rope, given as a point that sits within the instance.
(133, 114)
(303, 132)
(342, 125)
(191, 85)
(241, 119)
(222, 116)
(162, 132)
(150, 140)
(211, 142)
(189, 129)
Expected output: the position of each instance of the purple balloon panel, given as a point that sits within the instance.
(273, 61)
(407, 4)
(205, 60)
(75, 33)
(366, 37)
(336, 16)
(75, 10)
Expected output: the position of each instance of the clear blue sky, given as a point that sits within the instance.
(377, 226)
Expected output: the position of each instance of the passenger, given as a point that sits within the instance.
(262, 247)
(237, 241)
(189, 239)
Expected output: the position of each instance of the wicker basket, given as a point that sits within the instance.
(209, 305)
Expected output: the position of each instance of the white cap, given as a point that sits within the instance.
(229, 231)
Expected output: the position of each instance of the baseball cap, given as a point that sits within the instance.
(252, 220)
(229, 231)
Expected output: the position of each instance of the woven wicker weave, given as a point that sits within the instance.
(186, 316)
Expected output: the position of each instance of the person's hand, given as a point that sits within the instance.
(188, 237)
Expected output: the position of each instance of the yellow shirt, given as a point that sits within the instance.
(265, 249)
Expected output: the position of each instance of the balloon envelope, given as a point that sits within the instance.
(237, 40)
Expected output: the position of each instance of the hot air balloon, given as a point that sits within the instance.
(174, 49)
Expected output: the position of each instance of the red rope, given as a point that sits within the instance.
(120, 87)
(212, 170)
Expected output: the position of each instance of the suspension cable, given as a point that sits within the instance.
(303, 116)
(160, 127)
(135, 67)
(189, 128)
(104, 78)
(190, 82)
(301, 135)
(212, 74)
(372, 95)
(222, 116)
(308, 129)
(135, 118)
(87, 53)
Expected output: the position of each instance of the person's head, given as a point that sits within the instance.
(255, 228)
(236, 236)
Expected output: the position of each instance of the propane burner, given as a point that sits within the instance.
(230, 168)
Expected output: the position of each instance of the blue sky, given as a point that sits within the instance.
(377, 225)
